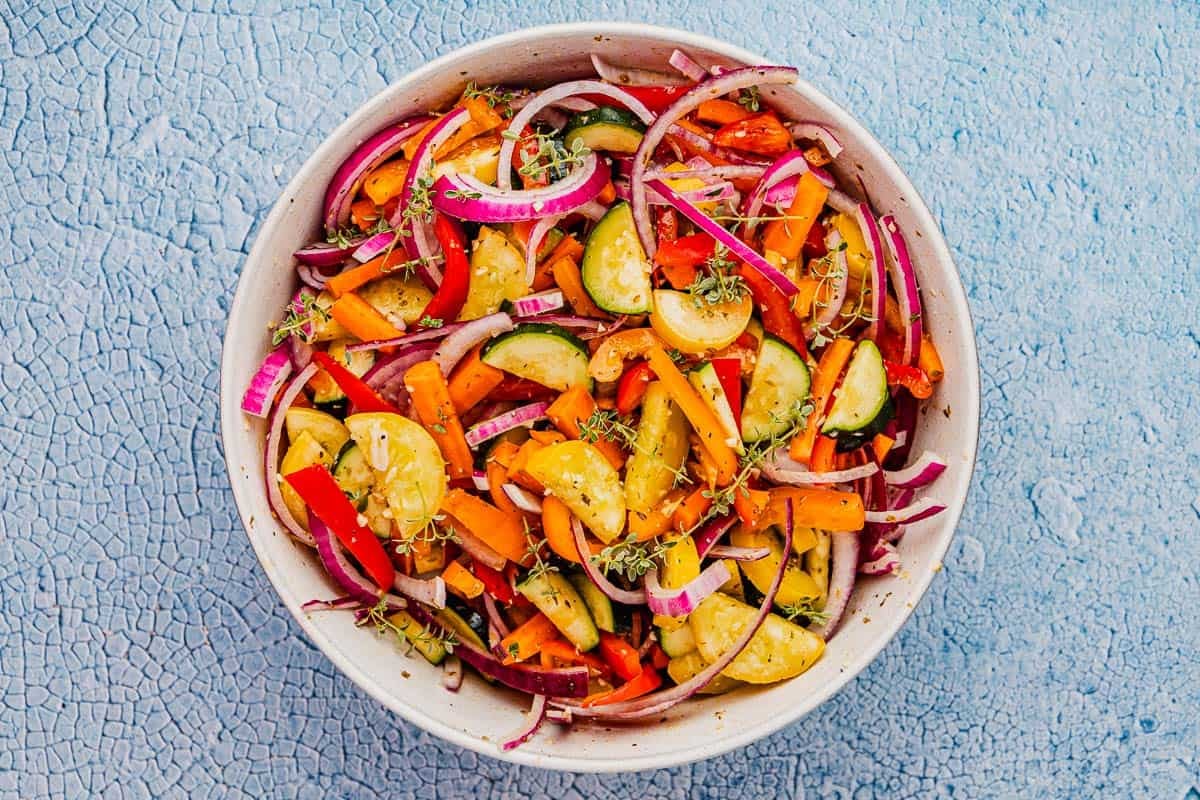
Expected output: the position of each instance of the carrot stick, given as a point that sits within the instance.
(363, 274)
(516, 469)
(721, 112)
(702, 418)
(829, 369)
(472, 380)
(556, 524)
(824, 509)
(574, 407)
(362, 319)
(882, 445)
(567, 276)
(930, 360)
(431, 401)
(547, 437)
(565, 652)
(688, 513)
(527, 640)
(786, 236)
(504, 533)
(823, 454)
(750, 505)
(460, 581)
(568, 247)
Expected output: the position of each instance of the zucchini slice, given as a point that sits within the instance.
(325, 428)
(604, 128)
(862, 405)
(555, 597)
(778, 390)
(548, 354)
(597, 601)
(616, 272)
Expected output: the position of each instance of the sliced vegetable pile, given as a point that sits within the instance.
(607, 390)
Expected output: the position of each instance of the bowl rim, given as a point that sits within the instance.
(956, 297)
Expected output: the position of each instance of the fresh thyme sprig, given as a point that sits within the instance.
(804, 609)
(377, 616)
(430, 533)
(607, 424)
(632, 558)
(750, 98)
(718, 283)
(343, 237)
(534, 547)
(552, 159)
(297, 321)
(496, 97)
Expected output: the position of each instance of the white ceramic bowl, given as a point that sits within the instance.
(477, 715)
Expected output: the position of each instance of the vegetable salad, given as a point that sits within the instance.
(606, 390)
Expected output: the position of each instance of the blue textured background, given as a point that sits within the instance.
(142, 651)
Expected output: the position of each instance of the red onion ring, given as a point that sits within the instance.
(841, 282)
(370, 154)
(904, 281)
(712, 532)
(458, 344)
(870, 231)
(682, 601)
(925, 470)
(533, 720)
(844, 554)
(341, 570)
(687, 66)
(465, 197)
(596, 575)
(816, 132)
(739, 553)
(274, 435)
(632, 76)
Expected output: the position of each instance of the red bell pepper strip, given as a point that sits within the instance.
(529, 150)
(451, 295)
(632, 387)
(620, 655)
(814, 245)
(362, 397)
(910, 377)
(654, 98)
(729, 375)
(494, 582)
(646, 681)
(566, 652)
(520, 389)
(658, 657)
(777, 316)
(666, 224)
(325, 499)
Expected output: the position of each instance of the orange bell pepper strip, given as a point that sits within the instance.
(504, 533)
(460, 581)
(516, 469)
(431, 401)
(556, 525)
(574, 407)
(363, 274)
(882, 445)
(472, 381)
(362, 319)
(750, 505)
(385, 181)
(567, 247)
(930, 360)
(722, 112)
(824, 509)
(497, 474)
(703, 420)
(564, 651)
(364, 214)
(654, 522)
(829, 369)
(823, 453)
(689, 513)
(526, 640)
(646, 681)
(567, 276)
(786, 236)
(620, 655)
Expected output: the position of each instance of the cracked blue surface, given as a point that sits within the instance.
(144, 654)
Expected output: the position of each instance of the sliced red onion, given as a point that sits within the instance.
(575, 104)
(522, 498)
(682, 601)
(563, 682)
(709, 173)
(419, 242)
(594, 210)
(631, 76)
(713, 193)
(739, 553)
(904, 430)
(833, 302)
(596, 575)
(422, 335)
(524, 415)
(344, 603)
(386, 376)
(353, 582)
(925, 470)
(782, 469)
(553, 117)
(901, 438)
(712, 532)
(556, 95)
(570, 321)
(646, 644)
(274, 437)
(326, 254)
(870, 231)
(687, 66)
(452, 673)
(730, 81)
(840, 201)
(458, 344)
(789, 166)
(478, 549)
(706, 145)
(480, 479)
(374, 246)
(493, 614)
(735, 245)
(904, 281)
(369, 155)
(887, 562)
(658, 702)
(534, 304)
(914, 512)
(465, 197)
(543, 227)
(816, 132)
(533, 720)
(265, 384)
(431, 591)
(310, 276)
(622, 190)
(559, 715)
(893, 532)
(844, 553)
